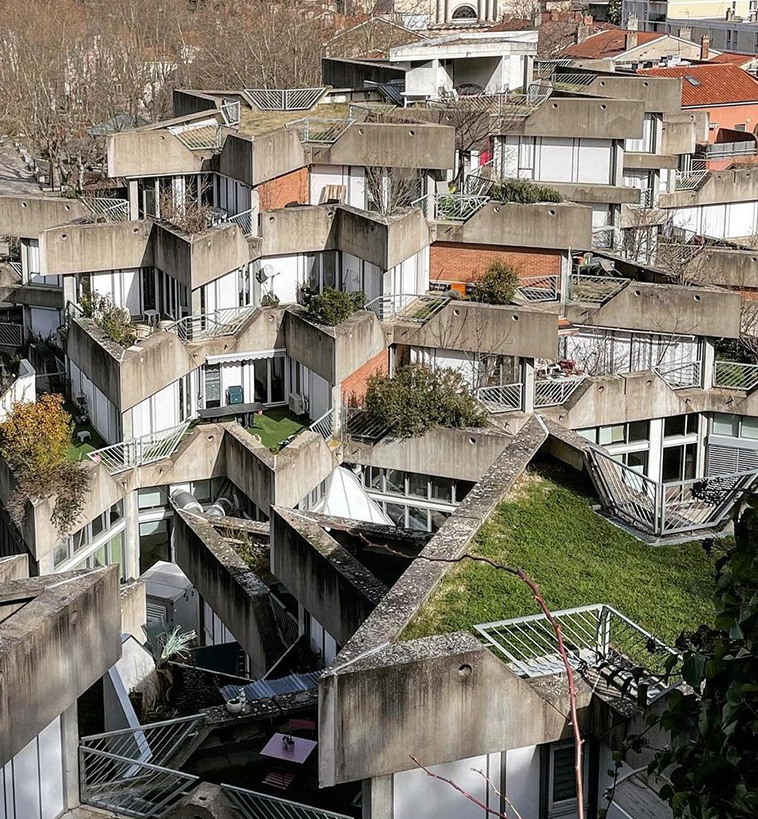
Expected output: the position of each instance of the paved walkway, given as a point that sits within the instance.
(14, 177)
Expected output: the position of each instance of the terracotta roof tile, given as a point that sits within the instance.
(608, 44)
(711, 84)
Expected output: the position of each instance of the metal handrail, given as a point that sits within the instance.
(416, 307)
(224, 322)
(540, 288)
(456, 207)
(553, 392)
(114, 210)
(11, 334)
(244, 220)
(319, 131)
(734, 375)
(503, 398)
(254, 805)
(680, 374)
(140, 451)
(594, 289)
(689, 180)
(324, 425)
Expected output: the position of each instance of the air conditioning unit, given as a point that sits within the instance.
(298, 404)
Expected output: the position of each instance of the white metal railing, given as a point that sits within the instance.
(16, 267)
(285, 99)
(11, 334)
(224, 322)
(114, 210)
(502, 398)
(451, 206)
(608, 237)
(318, 131)
(689, 180)
(539, 288)
(230, 111)
(598, 637)
(244, 220)
(553, 392)
(724, 150)
(680, 374)
(139, 451)
(732, 375)
(410, 306)
(478, 185)
(324, 426)
(252, 805)
(594, 289)
(666, 508)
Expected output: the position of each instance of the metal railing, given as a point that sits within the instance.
(539, 288)
(324, 426)
(244, 220)
(666, 508)
(597, 637)
(114, 210)
(552, 392)
(139, 451)
(254, 805)
(478, 185)
(608, 237)
(11, 334)
(732, 375)
(689, 180)
(318, 131)
(680, 374)
(360, 424)
(594, 289)
(157, 742)
(456, 207)
(224, 322)
(724, 150)
(504, 398)
(128, 786)
(285, 99)
(230, 111)
(16, 267)
(409, 306)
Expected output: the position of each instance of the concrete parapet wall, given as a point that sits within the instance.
(153, 152)
(28, 216)
(15, 567)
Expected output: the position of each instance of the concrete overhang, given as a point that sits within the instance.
(58, 635)
(664, 308)
(423, 146)
(28, 216)
(637, 160)
(333, 352)
(253, 160)
(719, 187)
(466, 44)
(484, 328)
(735, 268)
(596, 194)
(549, 225)
(578, 117)
(659, 94)
(151, 152)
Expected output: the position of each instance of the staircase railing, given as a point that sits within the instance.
(594, 289)
(139, 451)
(114, 210)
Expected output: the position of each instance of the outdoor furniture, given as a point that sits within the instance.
(83, 436)
(235, 395)
(247, 411)
(302, 725)
(291, 749)
(279, 779)
(151, 317)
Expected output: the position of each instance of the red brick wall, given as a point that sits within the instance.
(354, 386)
(291, 187)
(453, 262)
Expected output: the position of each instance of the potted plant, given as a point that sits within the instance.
(235, 705)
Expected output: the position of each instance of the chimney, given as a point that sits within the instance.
(729, 15)
(630, 40)
(705, 45)
(685, 33)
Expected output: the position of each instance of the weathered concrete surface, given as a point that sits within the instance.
(462, 454)
(206, 801)
(735, 185)
(151, 152)
(334, 587)
(486, 328)
(230, 587)
(27, 215)
(15, 567)
(659, 94)
(15, 178)
(53, 648)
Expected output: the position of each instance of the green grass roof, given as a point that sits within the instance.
(547, 527)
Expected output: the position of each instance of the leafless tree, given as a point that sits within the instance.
(390, 189)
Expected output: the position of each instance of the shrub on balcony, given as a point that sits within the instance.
(114, 321)
(332, 307)
(418, 398)
(524, 192)
(497, 285)
(34, 441)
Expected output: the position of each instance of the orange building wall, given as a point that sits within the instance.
(453, 262)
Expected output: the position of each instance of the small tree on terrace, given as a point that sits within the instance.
(497, 285)
(34, 441)
(418, 398)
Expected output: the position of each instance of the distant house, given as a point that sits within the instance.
(724, 90)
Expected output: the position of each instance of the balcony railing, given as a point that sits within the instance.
(598, 637)
(11, 335)
(317, 131)
(504, 398)
(732, 375)
(285, 99)
(253, 805)
(594, 289)
(726, 150)
(689, 180)
(230, 111)
(408, 306)
(16, 267)
(608, 237)
(554, 392)
(139, 451)
(113, 210)
(539, 288)
(244, 220)
(666, 508)
(680, 374)
(225, 322)
(324, 426)
(454, 207)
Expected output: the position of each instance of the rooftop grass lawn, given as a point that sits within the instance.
(547, 527)
(275, 426)
(78, 450)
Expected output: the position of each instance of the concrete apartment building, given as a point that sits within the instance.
(304, 563)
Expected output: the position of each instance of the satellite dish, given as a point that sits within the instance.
(265, 273)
